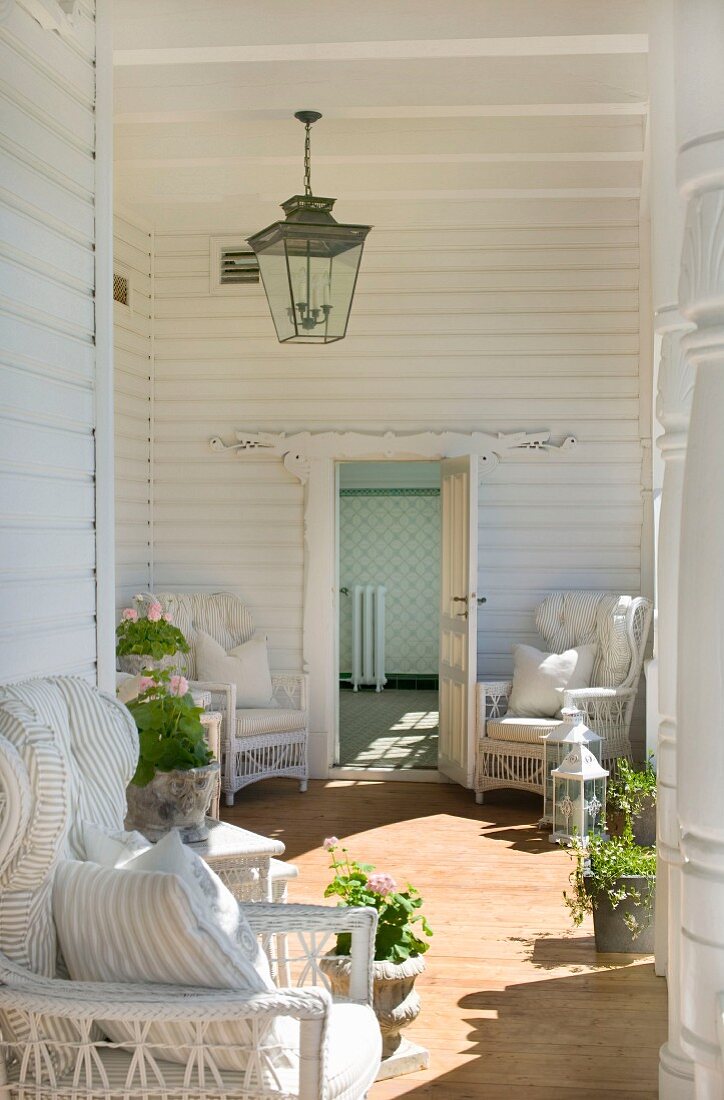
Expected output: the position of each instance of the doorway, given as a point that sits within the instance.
(389, 562)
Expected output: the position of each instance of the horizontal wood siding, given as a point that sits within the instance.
(527, 318)
(47, 354)
(133, 350)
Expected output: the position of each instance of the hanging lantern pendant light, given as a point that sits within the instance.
(309, 262)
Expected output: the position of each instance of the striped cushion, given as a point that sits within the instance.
(521, 730)
(255, 720)
(220, 614)
(58, 730)
(567, 619)
(119, 925)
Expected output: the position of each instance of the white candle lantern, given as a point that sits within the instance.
(556, 746)
(579, 796)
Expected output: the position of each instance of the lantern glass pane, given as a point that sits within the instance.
(567, 807)
(273, 270)
(323, 277)
(594, 805)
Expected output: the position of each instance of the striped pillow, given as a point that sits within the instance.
(138, 923)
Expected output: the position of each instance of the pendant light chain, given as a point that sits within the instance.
(307, 159)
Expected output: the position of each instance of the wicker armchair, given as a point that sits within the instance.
(510, 750)
(256, 743)
(66, 754)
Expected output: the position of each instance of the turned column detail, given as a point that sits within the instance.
(699, 37)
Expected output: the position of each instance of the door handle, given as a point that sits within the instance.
(482, 599)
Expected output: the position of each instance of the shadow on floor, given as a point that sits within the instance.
(388, 729)
(538, 1040)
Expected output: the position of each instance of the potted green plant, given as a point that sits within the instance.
(149, 640)
(400, 942)
(175, 775)
(632, 796)
(615, 879)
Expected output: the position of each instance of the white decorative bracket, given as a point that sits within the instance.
(298, 449)
(53, 15)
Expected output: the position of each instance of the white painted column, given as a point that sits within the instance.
(673, 405)
(699, 43)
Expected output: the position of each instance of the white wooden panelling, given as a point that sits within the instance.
(523, 326)
(47, 353)
(133, 249)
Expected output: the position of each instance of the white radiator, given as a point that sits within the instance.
(368, 635)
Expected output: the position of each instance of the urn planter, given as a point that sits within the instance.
(396, 1004)
(609, 926)
(135, 663)
(173, 800)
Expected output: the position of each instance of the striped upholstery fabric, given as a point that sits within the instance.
(526, 731)
(255, 720)
(220, 614)
(58, 729)
(567, 619)
(119, 925)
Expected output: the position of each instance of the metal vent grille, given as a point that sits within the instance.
(120, 289)
(238, 266)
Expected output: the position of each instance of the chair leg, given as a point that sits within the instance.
(229, 798)
(302, 786)
(479, 797)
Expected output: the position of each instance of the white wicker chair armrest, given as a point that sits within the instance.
(290, 689)
(223, 698)
(140, 1004)
(596, 694)
(493, 698)
(313, 925)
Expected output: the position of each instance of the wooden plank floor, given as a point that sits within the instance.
(515, 1002)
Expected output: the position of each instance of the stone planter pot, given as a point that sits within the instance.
(173, 800)
(609, 927)
(135, 663)
(644, 824)
(396, 1005)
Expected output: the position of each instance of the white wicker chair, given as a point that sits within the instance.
(510, 750)
(260, 743)
(66, 754)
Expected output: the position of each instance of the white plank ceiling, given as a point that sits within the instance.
(423, 102)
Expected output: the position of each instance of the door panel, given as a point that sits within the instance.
(458, 617)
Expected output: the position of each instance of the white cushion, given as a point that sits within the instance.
(110, 847)
(163, 916)
(255, 720)
(539, 679)
(246, 665)
(527, 731)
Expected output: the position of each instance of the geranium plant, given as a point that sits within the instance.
(401, 925)
(170, 733)
(151, 635)
(632, 789)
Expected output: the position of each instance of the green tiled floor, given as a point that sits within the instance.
(392, 729)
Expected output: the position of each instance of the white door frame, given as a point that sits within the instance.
(312, 458)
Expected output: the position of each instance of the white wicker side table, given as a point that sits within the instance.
(241, 859)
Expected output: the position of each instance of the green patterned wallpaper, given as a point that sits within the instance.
(392, 537)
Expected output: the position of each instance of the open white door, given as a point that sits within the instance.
(458, 618)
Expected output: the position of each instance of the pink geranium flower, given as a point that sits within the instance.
(145, 683)
(154, 612)
(330, 843)
(381, 884)
(129, 614)
(168, 617)
(178, 685)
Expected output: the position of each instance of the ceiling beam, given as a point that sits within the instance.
(636, 108)
(539, 46)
